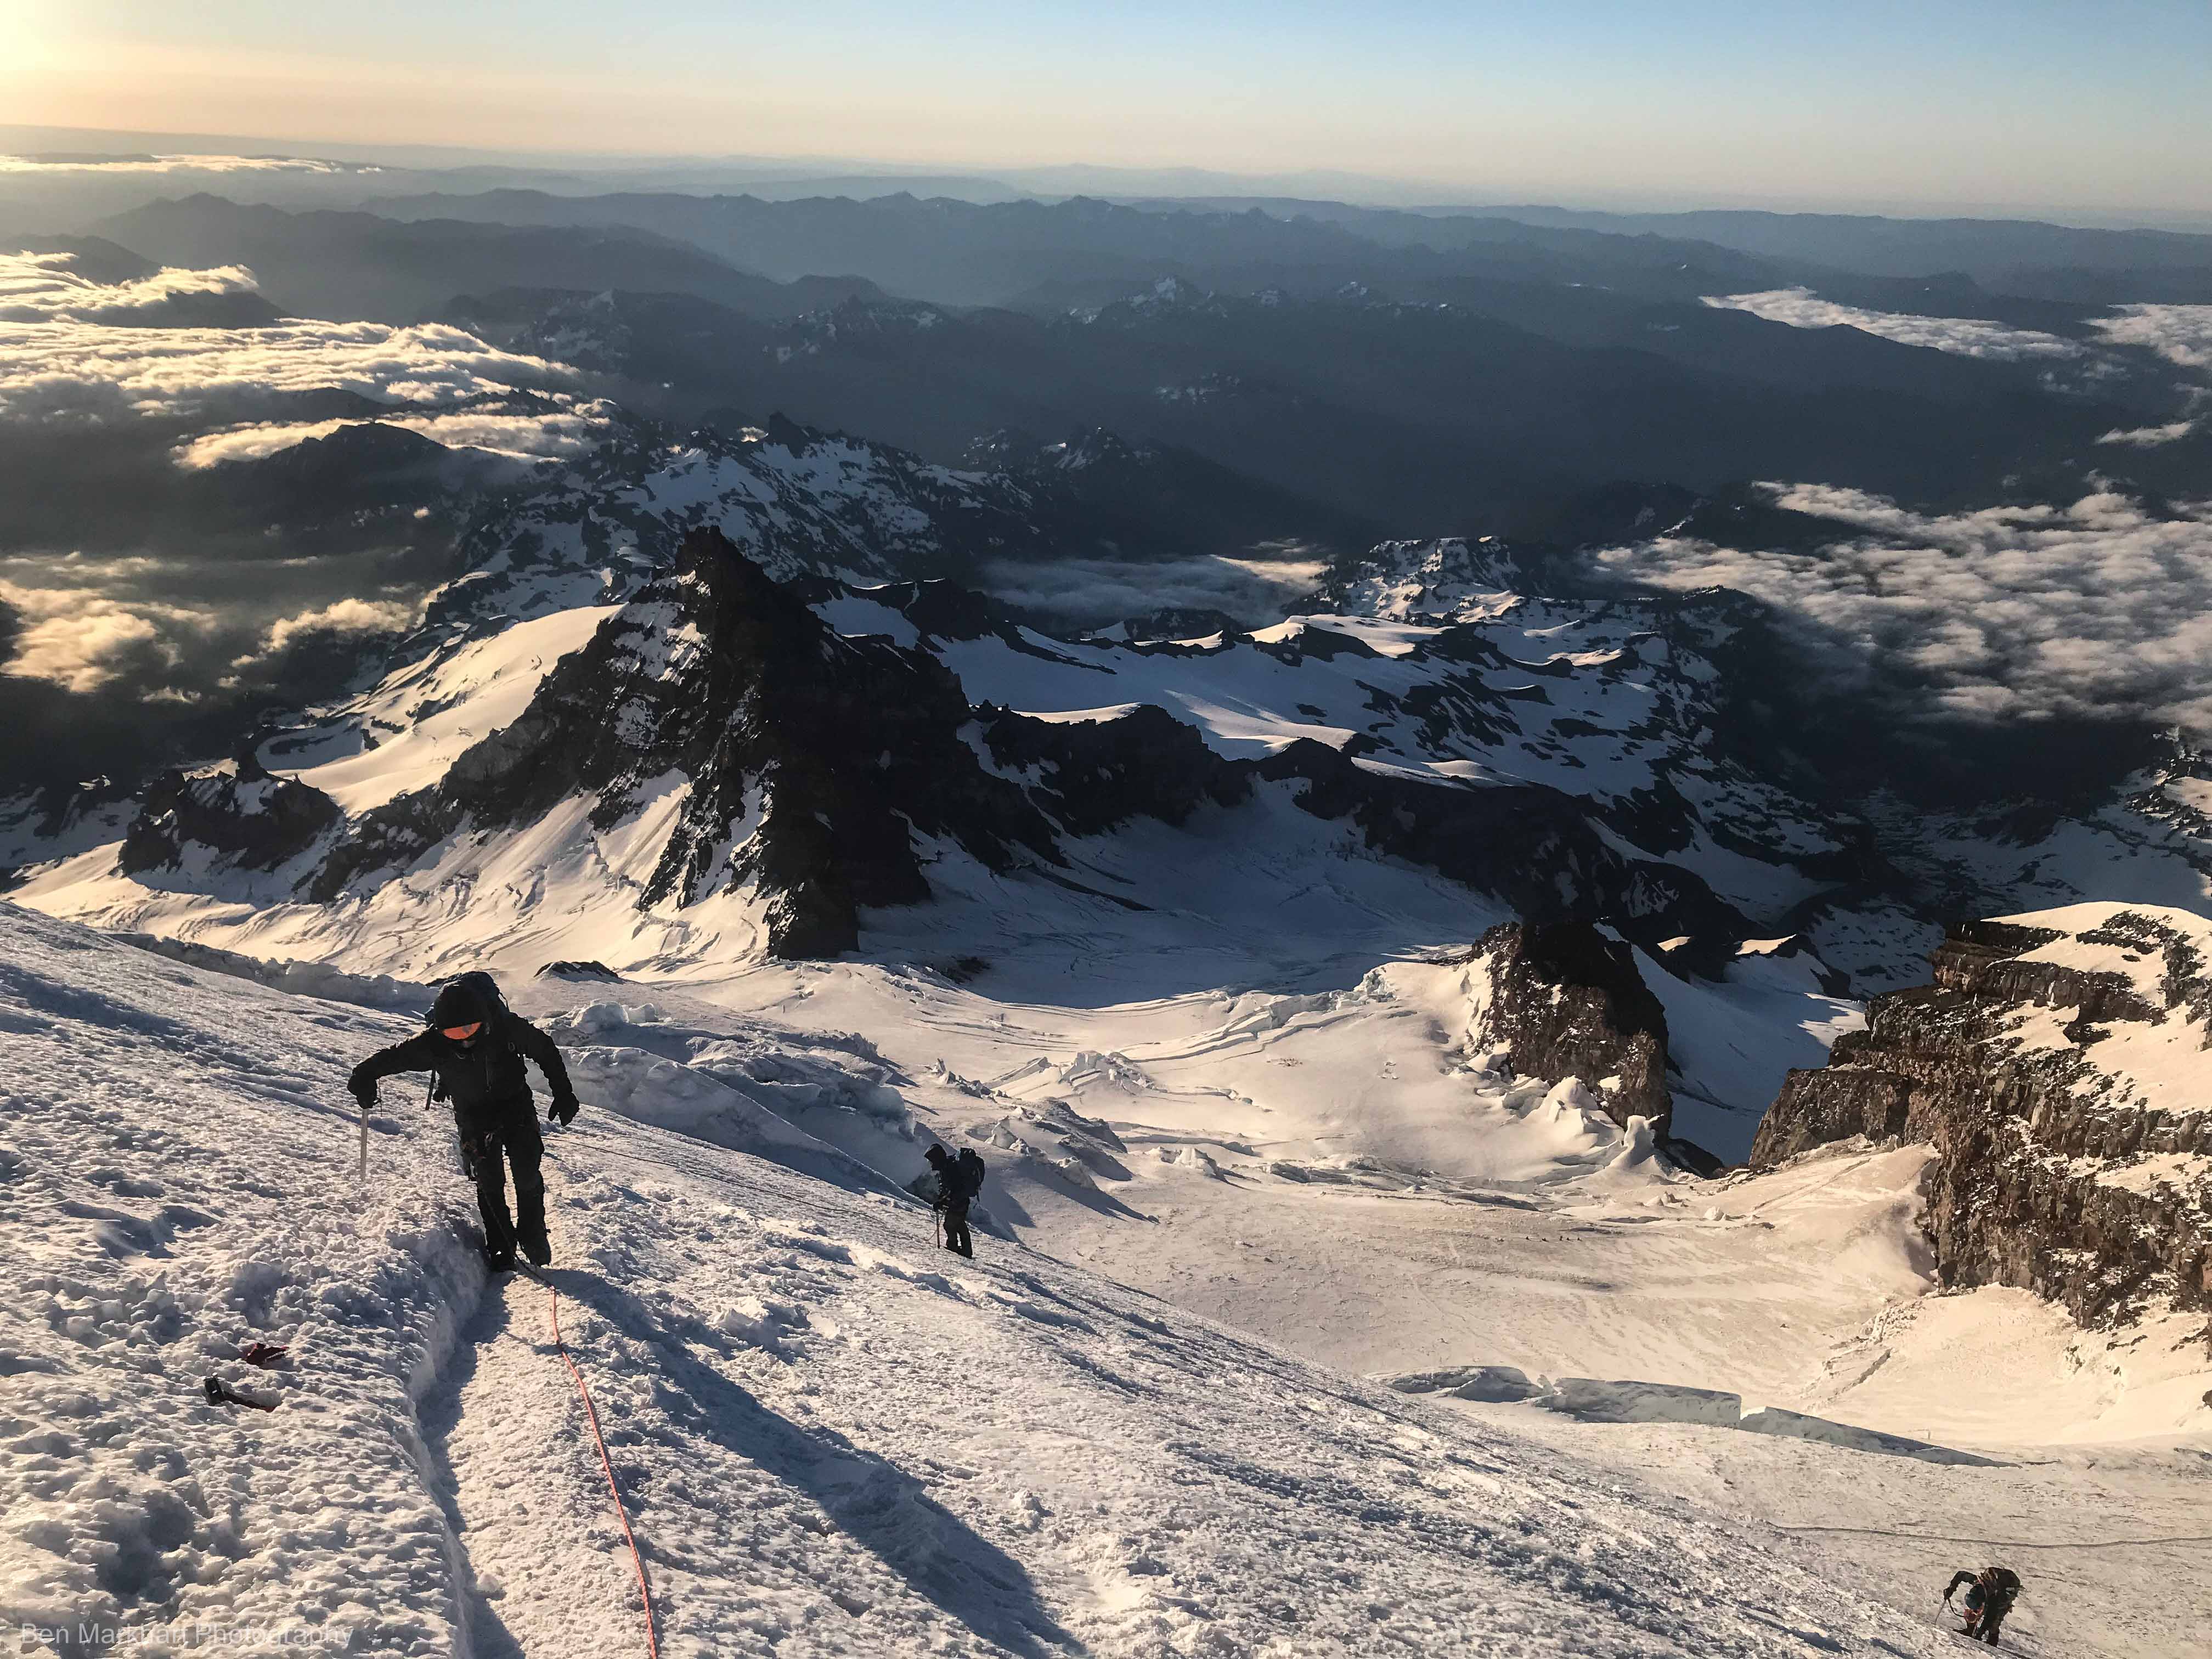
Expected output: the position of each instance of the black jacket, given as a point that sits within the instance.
(479, 1076)
(1998, 1594)
(959, 1179)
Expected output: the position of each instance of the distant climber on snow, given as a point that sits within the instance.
(958, 1180)
(475, 1047)
(1990, 1596)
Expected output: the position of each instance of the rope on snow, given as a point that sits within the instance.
(592, 1415)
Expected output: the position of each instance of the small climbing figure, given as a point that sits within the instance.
(958, 1180)
(1989, 1598)
(475, 1046)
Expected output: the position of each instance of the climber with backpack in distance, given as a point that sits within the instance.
(958, 1180)
(1990, 1596)
(475, 1047)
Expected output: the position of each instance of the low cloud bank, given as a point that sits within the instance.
(86, 370)
(535, 436)
(102, 166)
(72, 349)
(45, 288)
(2095, 610)
(2150, 437)
(341, 618)
(1093, 592)
(1966, 336)
(82, 638)
(173, 631)
(2180, 334)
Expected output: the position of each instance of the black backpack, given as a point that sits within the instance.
(971, 1166)
(483, 988)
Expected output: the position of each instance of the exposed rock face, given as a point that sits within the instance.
(1094, 774)
(1565, 1001)
(2059, 1064)
(241, 815)
(805, 761)
(1528, 846)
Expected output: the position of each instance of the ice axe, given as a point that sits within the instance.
(219, 1393)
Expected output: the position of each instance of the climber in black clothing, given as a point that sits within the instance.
(1990, 1596)
(958, 1180)
(476, 1046)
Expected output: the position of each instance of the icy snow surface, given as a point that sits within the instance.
(832, 1439)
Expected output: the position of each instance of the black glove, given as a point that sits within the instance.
(366, 1094)
(562, 1111)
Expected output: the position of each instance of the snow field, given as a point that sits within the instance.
(177, 1182)
(1255, 1192)
(832, 1439)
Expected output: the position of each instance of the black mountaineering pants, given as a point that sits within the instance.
(956, 1227)
(508, 1127)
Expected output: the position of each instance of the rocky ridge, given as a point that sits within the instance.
(812, 767)
(2054, 1063)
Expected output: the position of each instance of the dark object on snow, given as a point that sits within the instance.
(219, 1393)
(958, 1180)
(1989, 1598)
(263, 1354)
(483, 1076)
(598, 970)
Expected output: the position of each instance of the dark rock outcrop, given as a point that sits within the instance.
(595, 971)
(808, 761)
(1565, 1001)
(242, 816)
(2054, 1065)
(1094, 774)
(1527, 845)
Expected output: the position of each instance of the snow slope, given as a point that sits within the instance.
(1318, 1165)
(831, 1440)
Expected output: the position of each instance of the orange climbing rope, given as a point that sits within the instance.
(652, 1640)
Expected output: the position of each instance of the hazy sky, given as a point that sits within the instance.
(2031, 103)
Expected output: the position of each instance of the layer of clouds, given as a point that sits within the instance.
(2097, 610)
(1966, 336)
(48, 167)
(67, 352)
(2150, 437)
(1093, 592)
(185, 628)
(84, 638)
(342, 617)
(2180, 334)
(70, 368)
(534, 436)
(43, 288)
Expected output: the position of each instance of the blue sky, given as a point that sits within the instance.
(2025, 102)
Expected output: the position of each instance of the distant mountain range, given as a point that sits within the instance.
(327, 264)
